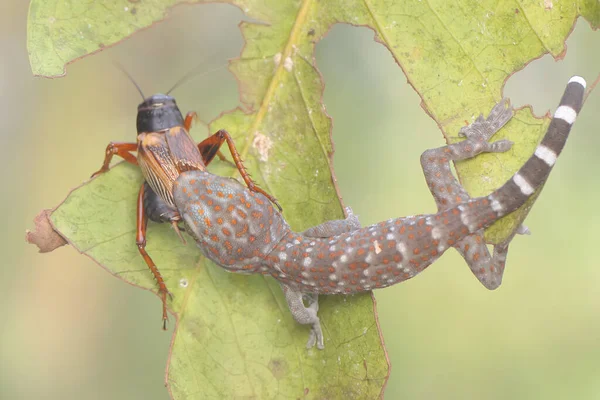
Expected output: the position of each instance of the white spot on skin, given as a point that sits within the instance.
(401, 247)
(263, 145)
(309, 250)
(377, 247)
(282, 256)
(496, 205)
(296, 242)
(579, 80)
(436, 233)
(307, 261)
(277, 59)
(390, 236)
(331, 248)
(304, 274)
(288, 64)
(523, 185)
(341, 283)
(566, 113)
(546, 155)
(366, 272)
(333, 277)
(369, 258)
(344, 258)
(464, 218)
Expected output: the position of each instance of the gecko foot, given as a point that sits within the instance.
(483, 129)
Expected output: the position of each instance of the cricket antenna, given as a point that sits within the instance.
(194, 73)
(119, 66)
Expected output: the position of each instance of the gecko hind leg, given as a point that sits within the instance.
(448, 192)
(306, 314)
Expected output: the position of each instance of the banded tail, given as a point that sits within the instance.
(515, 192)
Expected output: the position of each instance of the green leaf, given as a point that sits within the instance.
(235, 337)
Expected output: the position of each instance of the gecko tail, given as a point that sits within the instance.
(481, 212)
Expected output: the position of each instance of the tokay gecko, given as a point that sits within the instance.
(241, 231)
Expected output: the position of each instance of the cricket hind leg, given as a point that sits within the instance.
(448, 192)
(306, 314)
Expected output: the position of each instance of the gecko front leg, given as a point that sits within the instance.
(307, 314)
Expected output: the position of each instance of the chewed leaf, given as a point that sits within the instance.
(235, 337)
(233, 331)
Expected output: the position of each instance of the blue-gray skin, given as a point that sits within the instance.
(242, 232)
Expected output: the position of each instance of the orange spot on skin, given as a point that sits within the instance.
(214, 238)
(207, 222)
(416, 251)
(226, 231)
(251, 239)
(256, 214)
(220, 194)
(248, 205)
(332, 284)
(475, 256)
(411, 236)
(455, 211)
(217, 208)
(421, 222)
(192, 181)
(243, 231)
(196, 191)
(331, 270)
(230, 196)
(209, 202)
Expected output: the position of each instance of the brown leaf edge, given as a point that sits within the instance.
(44, 236)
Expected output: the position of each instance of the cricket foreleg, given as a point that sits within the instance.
(122, 150)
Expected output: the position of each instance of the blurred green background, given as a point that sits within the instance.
(71, 331)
